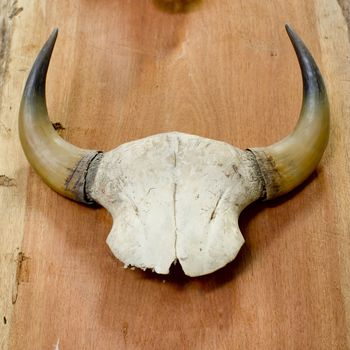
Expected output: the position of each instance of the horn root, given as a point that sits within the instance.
(62, 166)
(287, 163)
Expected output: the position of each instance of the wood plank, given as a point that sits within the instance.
(13, 168)
(225, 70)
(335, 57)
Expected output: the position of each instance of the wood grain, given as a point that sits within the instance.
(222, 69)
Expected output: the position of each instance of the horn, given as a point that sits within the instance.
(287, 163)
(61, 165)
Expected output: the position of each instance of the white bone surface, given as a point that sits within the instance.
(175, 196)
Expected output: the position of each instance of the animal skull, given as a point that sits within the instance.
(175, 196)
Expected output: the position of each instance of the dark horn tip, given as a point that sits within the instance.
(54, 33)
(52, 39)
(288, 28)
(312, 78)
(37, 76)
(296, 41)
(48, 46)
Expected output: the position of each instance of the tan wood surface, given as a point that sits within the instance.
(125, 69)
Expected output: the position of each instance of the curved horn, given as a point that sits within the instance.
(286, 164)
(61, 165)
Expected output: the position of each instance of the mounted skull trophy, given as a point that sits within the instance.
(174, 196)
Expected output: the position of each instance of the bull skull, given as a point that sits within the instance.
(175, 196)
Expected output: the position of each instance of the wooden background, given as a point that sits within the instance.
(125, 69)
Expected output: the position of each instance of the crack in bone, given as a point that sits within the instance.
(174, 202)
(213, 214)
(175, 240)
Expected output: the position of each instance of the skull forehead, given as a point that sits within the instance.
(174, 157)
(175, 196)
